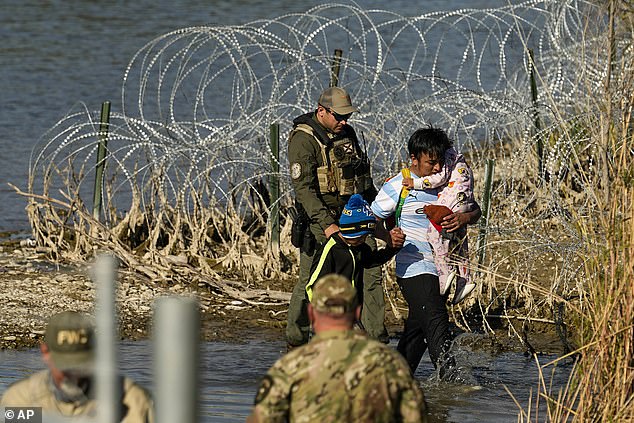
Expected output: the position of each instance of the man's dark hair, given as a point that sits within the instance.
(432, 141)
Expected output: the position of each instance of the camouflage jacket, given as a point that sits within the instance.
(340, 376)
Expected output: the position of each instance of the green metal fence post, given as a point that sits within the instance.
(274, 188)
(538, 124)
(334, 69)
(486, 208)
(101, 155)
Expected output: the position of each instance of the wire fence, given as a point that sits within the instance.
(188, 154)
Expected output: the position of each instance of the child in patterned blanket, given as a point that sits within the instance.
(455, 181)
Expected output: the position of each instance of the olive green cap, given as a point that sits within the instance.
(337, 100)
(70, 338)
(334, 294)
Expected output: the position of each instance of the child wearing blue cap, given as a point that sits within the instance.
(346, 253)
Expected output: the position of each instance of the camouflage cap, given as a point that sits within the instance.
(334, 294)
(70, 340)
(337, 100)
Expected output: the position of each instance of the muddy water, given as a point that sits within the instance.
(230, 374)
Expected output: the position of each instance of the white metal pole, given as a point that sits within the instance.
(108, 386)
(176, 338)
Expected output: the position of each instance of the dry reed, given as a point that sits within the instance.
(601, 386)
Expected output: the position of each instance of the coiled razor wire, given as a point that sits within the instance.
(197, 103)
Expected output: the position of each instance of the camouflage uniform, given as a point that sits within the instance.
(323, 209)
(340, 375)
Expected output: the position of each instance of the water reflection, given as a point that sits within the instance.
(230, 375)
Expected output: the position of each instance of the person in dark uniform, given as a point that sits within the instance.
(327, 166)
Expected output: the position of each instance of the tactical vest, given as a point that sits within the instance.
(345, 169)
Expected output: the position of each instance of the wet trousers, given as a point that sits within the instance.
(427, 323)
(372, 311)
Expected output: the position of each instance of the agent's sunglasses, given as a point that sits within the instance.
(337, 116)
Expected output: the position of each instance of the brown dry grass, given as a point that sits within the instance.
(601, 387)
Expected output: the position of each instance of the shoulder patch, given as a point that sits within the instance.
(296, 170)
(264, 389)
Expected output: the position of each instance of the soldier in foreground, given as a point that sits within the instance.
(340, 375)
(66, 388)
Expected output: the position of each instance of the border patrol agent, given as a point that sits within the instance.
(66, 389)
(340, 375)
(327, 166)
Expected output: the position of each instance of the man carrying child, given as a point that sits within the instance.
(455, 195)
(427, 323)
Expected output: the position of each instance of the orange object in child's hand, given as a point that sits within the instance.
(436, 214)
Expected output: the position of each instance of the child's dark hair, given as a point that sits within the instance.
(432, 141)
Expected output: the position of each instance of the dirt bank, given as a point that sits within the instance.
(33, 289)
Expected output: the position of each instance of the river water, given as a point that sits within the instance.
(230, 374)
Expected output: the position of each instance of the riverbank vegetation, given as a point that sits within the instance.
(602, 312)
(191, 188)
